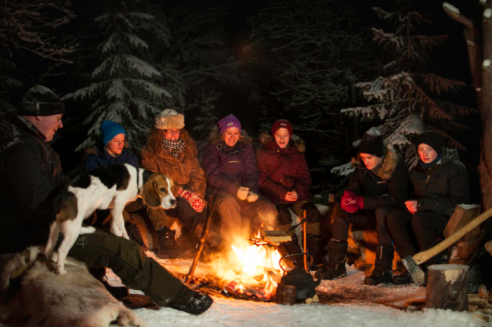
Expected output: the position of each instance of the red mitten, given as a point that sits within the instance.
(351, 202)
(194, 199)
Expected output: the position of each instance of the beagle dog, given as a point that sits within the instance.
(102, 188)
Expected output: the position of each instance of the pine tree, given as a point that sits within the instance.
(124, 88)
(407, 98)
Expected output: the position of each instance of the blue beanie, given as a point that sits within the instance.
(109, 130)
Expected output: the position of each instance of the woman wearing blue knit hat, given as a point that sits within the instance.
(114, 149)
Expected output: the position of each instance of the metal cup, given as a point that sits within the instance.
(285, 294)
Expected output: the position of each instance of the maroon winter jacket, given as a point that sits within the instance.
(282, 171)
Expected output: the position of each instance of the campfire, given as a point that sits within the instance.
(250, 270)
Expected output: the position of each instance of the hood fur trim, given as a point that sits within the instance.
(215, 137)
(388, 166)
(295, 141)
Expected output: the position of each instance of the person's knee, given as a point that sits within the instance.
(284, 217)
(420, 222)
(227, 202)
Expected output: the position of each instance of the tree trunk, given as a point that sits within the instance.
(447, 287)
(485, 166)
(479, 51)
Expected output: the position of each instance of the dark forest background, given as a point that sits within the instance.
(127, 60)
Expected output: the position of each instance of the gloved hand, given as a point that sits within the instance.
(242, 193)
(252, 196)
(351, 202)
(193, 199)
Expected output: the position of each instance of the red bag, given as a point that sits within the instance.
(194, 199)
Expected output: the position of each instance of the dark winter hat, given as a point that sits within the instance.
(40, 101)
(110, 129)
(372, 142)
(227, 122)
(432, 139)
(281, 124)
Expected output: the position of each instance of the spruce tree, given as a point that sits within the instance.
(123, 86)
(407, 99)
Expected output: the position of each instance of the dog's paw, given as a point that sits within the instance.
(54, 257)
(61, 271)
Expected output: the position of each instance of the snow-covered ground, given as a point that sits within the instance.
(347, 303)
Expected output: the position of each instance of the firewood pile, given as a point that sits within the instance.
(480, 304)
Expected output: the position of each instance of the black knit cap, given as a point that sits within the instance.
(432, 139)
(40, 101)
(372, 143)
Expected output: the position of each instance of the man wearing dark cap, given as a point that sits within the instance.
(440, 182)
(31, 178)
(376, 187)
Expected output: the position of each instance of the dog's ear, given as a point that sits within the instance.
(150, 194)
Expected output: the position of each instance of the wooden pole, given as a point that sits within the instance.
(447, 287)
(304, 240)
(201, 243)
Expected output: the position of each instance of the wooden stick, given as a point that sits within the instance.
(201, 244)
(304, 240)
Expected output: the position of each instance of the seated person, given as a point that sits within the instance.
(376, 187)
(232, 174)
(440, 183)
(31, 178)
(170, 150)
(285, 180)
(113, 150)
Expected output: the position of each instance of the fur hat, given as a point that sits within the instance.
(169, 119)
(110, 129)
(281, 124)
(40, 101)
(432, 139)
(227, 122)
(372, 142)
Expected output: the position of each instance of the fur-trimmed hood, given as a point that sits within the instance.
(388, 166)
(215, 137)
(295, 141)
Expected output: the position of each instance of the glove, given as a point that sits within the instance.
(242, 193)
(351, 202)
(252, 197)
(193, 199)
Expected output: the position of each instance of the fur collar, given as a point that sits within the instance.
(296, 141)
(215, 138)
(388, 166)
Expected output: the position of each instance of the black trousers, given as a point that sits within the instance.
(427, 226)
(365, 219)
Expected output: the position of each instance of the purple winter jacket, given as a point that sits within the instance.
(229, 168)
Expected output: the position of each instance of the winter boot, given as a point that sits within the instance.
(334, 262)
(382, 270)
(190, 301)
(315, 249)
(134, 233)
(292, 247)
(168, 248)
(401, 276)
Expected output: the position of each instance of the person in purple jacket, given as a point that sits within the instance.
(232, 175)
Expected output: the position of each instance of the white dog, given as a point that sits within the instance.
(102, 188)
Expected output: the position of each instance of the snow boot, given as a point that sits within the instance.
(168, 248)
(190, 301)
(382, 270)
(334, 262)
(314, 246)
(401, 276)
(134, 233)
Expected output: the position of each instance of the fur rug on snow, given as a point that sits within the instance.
(74, 299)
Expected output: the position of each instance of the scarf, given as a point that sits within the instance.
(174, 147)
